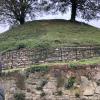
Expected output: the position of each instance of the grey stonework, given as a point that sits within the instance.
(24, 57)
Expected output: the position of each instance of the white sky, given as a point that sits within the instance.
(95, 23)
(3, 27)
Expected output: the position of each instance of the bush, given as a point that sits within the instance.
(73, 66)
(38, 69)
(77, 95)
(9, 73)
(12, 73)
(59, 77)
(39, 88)
(27, 73)
(41, 84)
(60, 81)
(70, 82)
(20, 81)
(59, 93)
(21, 46)
(19, 96)
(43, 45)
(42, 94)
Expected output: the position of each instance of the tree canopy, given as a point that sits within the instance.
(19, 10)
(86, 9)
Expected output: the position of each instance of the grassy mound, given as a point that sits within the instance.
(49, 33)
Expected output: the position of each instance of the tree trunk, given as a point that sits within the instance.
(73, 11)
(22, 21)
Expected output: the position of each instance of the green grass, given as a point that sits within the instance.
(90, 61)
(54, 33)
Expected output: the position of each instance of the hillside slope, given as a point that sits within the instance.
(52, 32)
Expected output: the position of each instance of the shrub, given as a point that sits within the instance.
(98, 82)
(20, 81)
(60, 81)
(10, 73)
(19, 96)
(34, 69)
(59, 93)
(43, 45)
(41, 84)
(59, 75)
(39, 88)
(42, 94)
(73, 66)
(70, 82)
(27, 73)
(77, 95)
(94, 65)
(20, 46)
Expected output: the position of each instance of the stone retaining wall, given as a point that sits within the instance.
(24, 57)
(87, 88)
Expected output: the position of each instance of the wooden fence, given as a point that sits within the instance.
(26, 57)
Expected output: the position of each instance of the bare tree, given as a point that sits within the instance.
(17, 10)
(87, 9)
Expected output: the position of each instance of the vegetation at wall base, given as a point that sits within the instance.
(38, 68)
(19, 96)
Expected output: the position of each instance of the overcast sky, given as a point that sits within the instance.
(95, 23)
